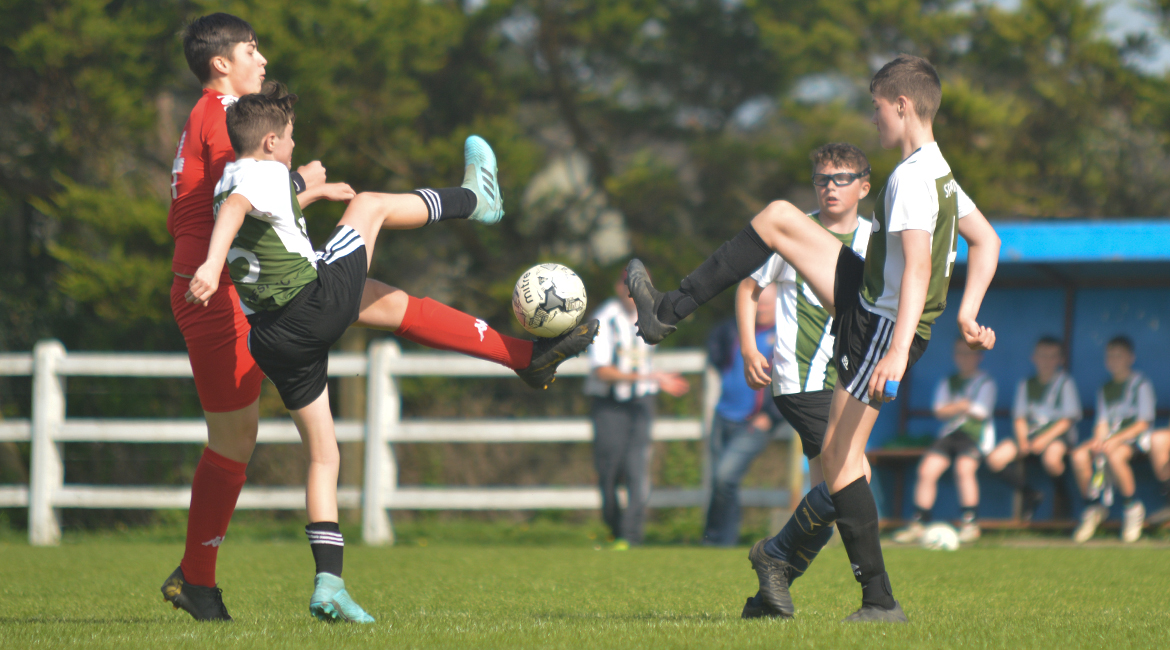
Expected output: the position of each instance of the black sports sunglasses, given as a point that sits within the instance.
(840, 180)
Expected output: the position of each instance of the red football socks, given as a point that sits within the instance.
(438, 326)
(214, 492)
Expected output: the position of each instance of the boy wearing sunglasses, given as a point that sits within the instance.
(803, 376)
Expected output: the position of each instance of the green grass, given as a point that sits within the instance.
(103, 593)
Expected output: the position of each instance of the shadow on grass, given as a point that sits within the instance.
(654, 616)
(57, 620)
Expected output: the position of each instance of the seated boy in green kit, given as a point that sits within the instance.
(1125, 413)
(299, 301)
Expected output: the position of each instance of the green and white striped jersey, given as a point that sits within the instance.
(271, 258)
(1043, 404)
(1121, 403)
(802, 359)
(921, 194)
(977, 422)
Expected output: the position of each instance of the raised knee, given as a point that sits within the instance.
(778, 212)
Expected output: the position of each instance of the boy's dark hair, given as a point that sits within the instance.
(910, 76)
(255, 116)
(1052, 341)
(840, 155)
(1121, 341)
(211, 36)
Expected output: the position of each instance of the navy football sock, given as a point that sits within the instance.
(807, 531)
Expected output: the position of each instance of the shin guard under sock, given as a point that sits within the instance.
(328, 546)
(857, 519)
(730, 263)
(447, 203)
(807, 531)
(438, 326)
(214, 492)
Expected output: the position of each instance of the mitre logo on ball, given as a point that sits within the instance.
(549, 300)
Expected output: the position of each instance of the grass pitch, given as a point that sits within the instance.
(104, 594)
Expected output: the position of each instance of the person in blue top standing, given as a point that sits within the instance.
(744, 421)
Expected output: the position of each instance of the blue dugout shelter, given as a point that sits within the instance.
(1082, 281)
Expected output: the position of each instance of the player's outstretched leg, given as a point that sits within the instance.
(435, 325)
(779, 228)
(203, 603)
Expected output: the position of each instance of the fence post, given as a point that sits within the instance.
(712, 387)
(381, 472)
(47, 473)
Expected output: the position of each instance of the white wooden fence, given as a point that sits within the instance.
(49, 429)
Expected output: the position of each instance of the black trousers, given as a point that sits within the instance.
(621, 454)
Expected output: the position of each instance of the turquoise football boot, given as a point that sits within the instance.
(482, 177)
(331, 602)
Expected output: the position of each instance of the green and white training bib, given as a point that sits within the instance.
(802, 359)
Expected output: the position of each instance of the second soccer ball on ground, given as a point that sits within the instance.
(940, 537)
(549, 300)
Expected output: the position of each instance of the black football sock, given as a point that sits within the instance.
(328, 546)
(1013, 475)
(923, 515)
(807, 531)
(857, 519)
(447, 203)
(730, 263)
(1166, 490)
(968, 515)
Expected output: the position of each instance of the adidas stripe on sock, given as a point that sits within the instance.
(447, 203)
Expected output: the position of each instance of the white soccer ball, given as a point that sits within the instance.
(549, 300)
(940, 537)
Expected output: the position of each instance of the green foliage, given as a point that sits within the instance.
(691, 114)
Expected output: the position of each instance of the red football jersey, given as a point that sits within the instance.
(204, 149)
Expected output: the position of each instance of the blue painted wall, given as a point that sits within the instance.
(1019, 317)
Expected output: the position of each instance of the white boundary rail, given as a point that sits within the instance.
(50, 365)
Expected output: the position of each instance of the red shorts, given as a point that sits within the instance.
(226, 376)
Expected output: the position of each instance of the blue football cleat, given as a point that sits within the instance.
(331, 602)
(482, 177)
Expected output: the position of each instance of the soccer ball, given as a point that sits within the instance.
(940, 537)
(549, 300)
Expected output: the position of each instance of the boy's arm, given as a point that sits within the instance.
(228, 220)
(982, 259)
(911, 300)
(1058, 429)
(328, 191)
(756, 369)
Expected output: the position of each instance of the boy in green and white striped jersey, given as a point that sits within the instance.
(1125, 411)
(802, 372)
(965, 402)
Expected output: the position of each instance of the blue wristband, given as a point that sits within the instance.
(891, 390)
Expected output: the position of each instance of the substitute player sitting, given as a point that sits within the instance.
(1125, 411)
(965, 402)
(1044, 416)
(300, 301)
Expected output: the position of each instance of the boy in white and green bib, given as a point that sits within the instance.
(1125, 411)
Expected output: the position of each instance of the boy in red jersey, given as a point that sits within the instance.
(223, 53)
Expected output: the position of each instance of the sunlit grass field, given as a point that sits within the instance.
(103, 593)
